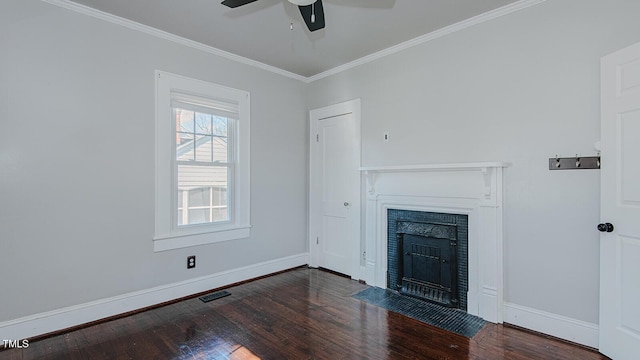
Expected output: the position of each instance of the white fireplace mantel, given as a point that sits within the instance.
(484, 167)
(436, 167)
(472, 189)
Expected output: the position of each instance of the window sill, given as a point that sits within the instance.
(183, 240)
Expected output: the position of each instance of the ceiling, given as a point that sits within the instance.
(261, 31)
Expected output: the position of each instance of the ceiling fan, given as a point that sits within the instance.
(311, 10)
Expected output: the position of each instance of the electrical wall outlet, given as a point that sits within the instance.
(385, 137)
(191, 262)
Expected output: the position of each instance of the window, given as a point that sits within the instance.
(202, 162)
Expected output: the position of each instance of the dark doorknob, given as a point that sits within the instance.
(606, 227)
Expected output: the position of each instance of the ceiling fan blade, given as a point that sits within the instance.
(236, 3)
(313, 9)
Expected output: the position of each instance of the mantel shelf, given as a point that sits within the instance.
(436, 167)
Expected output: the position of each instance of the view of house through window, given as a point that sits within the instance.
(202, 165)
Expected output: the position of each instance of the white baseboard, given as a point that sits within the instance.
(562, 327)
(59, 319)
(488, 305)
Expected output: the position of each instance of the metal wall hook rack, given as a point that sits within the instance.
(574, 163)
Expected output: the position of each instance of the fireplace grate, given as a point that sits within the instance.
(427, 291)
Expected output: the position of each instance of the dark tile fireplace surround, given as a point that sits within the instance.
(427, 256)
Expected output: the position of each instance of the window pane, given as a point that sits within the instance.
(184, 121)
(203, 148)
(220, 214)
(220, 201)
(199, 216)
(198, 176)
(184, 147)
(220, 196)
(207, 193)
(203, 123)
(199, 197)
(220, 125)
(220, 146)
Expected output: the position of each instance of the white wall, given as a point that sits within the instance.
(520, 89)
(77, 160)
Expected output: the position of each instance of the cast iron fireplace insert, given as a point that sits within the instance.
(428, 261)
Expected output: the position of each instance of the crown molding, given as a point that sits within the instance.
(484, 17)
(490, 15)
(83, 9)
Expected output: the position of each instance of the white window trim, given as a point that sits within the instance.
(167, 236)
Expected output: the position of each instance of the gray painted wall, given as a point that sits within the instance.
(520, 89)
(77, 160)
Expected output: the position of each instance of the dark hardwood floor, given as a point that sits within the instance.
(300, 314)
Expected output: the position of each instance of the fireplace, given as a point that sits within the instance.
(428, 256)
(466, 197)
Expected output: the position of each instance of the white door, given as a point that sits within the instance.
(335, 189)
(620, 205)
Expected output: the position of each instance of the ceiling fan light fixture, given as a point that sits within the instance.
(312, 11)
(302, 2)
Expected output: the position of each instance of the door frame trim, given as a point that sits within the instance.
(347, 107)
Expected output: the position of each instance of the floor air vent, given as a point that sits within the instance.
(214, 296)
